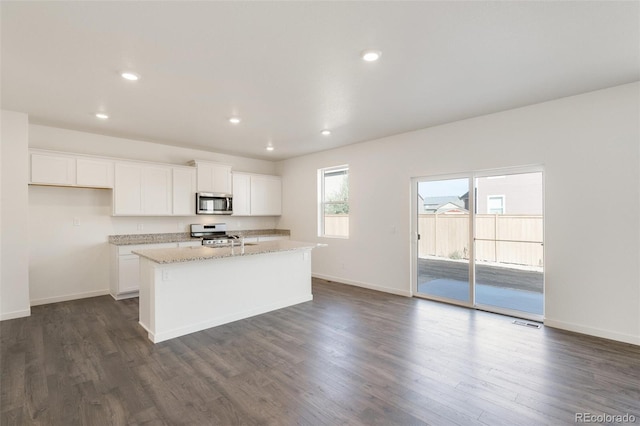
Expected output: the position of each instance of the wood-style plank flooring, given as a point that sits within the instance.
(351, 356)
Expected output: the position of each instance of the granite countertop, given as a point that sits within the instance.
(179, 237)
(189, 254)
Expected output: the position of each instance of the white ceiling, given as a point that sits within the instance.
(290, 69)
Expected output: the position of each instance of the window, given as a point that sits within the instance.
(495, 204)
(333, 196)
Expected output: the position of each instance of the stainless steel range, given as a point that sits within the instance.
(213, 235)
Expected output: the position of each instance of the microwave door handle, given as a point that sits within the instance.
(228, 203)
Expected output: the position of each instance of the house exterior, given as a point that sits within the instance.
(450, 204)
(517, 194)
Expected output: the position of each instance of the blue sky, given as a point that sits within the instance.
(442, 188)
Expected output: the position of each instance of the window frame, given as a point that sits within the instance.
(322, 172)
(503, 206)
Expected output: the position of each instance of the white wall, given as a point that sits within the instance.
(589, 146)
(69, 262)
(57, 139)
(14, 249)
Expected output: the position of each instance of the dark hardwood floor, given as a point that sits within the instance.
(351, 356)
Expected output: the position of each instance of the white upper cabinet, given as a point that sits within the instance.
(157, 190)
(266, 195)
(241, 194)
(213, 177)
(184, 191)
(256, 195)
(52, 168)
(94, 173)
(143, 189)
(127, 190)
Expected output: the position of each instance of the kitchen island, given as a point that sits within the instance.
(184, 290)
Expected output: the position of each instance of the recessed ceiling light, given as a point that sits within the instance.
(234, 120)
(102, 116)
(370, 55)
(270, 148)
(131, 76)
(325, 132)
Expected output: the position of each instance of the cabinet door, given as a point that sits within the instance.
(184, 186)
(128, 273)
(156, 190)
(241, 194)
(94, 173)
(205, 178)
(214, 177)
(53, 170)
(127, 190)
(222, 181)
(266, 196)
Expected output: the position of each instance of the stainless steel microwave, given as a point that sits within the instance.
(214, 203)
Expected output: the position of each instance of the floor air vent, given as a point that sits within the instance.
(527, 324)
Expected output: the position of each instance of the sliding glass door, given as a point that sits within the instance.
(444, 244)
(480, 241)
(509, 257)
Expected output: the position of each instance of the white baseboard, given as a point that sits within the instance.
(15, 314)
(125, 295)
(405, 293)
(591, 331)
(67, 297)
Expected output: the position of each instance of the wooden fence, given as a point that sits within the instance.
(512, 239)
(336, 225)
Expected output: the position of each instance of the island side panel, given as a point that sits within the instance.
(146, 294)
(193, 296)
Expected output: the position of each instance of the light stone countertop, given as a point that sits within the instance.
(190, 254)
(179, 237)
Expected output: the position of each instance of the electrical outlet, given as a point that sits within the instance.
(76, 221)
(180, 226)
(166, 275)
(140, 226)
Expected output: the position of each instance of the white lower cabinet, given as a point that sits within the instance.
(128, 280)
(125, 268)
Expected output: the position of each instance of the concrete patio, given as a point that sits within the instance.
(501, 286)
